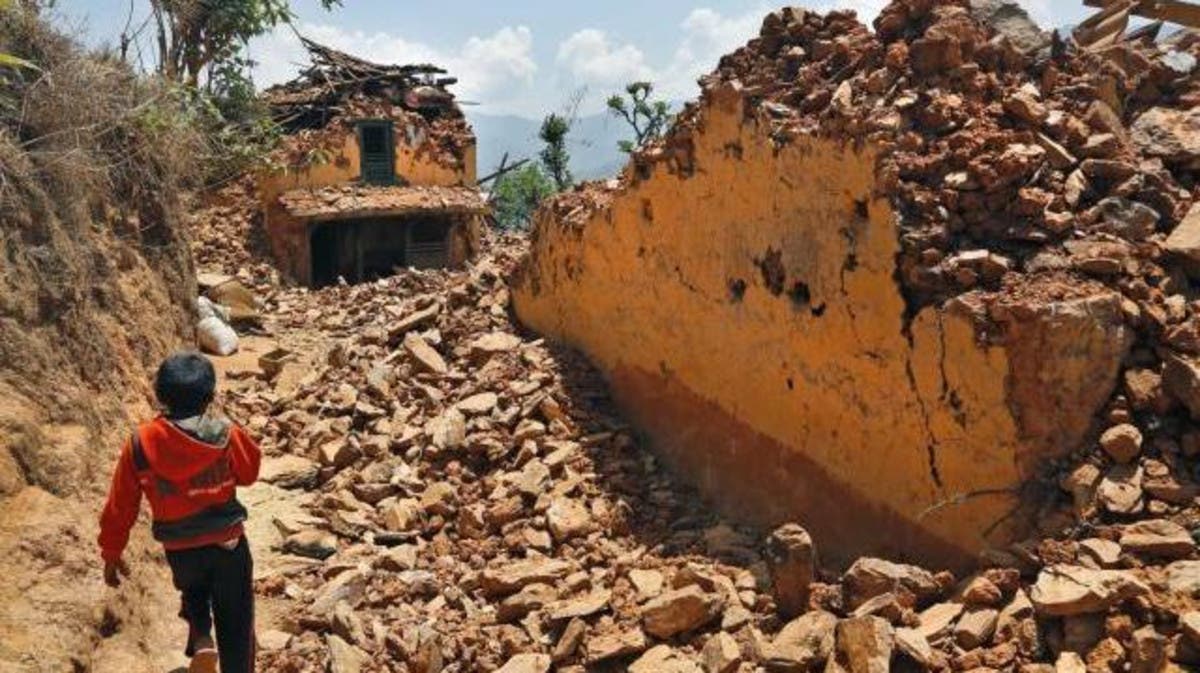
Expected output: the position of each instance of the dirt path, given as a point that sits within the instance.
(147, 634)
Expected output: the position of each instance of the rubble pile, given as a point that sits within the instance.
(1020, 168)
(477, 506)
(475, 499)
(999, 153)
(228, 237)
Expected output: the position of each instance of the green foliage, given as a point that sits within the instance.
(518, 194)
(648, 118)
(555, 158)
(238, 135)
(195, 36)
(10, 61)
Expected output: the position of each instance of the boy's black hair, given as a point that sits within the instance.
(185, 384)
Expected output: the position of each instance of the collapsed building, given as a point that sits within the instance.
(956, 262)
(376, 170)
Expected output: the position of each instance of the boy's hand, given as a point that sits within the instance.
(114, 571)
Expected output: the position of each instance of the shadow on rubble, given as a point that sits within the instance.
(654, 506)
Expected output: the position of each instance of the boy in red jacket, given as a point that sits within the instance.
(189, 465)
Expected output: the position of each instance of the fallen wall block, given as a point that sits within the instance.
(744, 301)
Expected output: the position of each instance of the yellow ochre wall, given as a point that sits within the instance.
(415, 164)
(827, 413)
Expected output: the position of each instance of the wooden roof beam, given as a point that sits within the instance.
(1174, 11)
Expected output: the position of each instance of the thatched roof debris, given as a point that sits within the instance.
(334, 79)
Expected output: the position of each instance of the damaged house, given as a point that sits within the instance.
(376, 171)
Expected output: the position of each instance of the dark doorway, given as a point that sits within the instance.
(370, 248)
(377, 151)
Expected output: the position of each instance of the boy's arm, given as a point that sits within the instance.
(245, 457)
(121, 510)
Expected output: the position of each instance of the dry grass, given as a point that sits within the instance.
(95, 271)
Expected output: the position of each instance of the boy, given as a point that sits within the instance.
(189, 465)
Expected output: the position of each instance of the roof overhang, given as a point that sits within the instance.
(344, 202)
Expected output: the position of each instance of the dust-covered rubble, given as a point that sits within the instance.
(477, 506)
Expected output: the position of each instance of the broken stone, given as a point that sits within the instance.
(1173, 135)
(1145, 391)
(912, 644)
(1157, 537)
(610, 646)
(567, 518)
(1122, 443)
(792, 560)
(1184, 240)
(1102, 553)
(1149, 651)
(414, 320)
(975, 627)
(509, 578)
(721, 654)
(348, 586)
(1069, 662)
(344, 657)
(870, 577)
(647, 583)
(1189, 623)
(935, 621)
(1181, 378)
(1128, 219)
(478, 404)
(404, 515)
(570, 640)
(584, 606)
(1120, 492)
(663, 659)
(526, 663)
(679, 611)
(289, 471)
(338, 453)
(491, 344)
(982, 592)
(439, 498)
(1064, 590)
(447, 430)
(399, 558)
(424, 356)
(1183, 578)
(807, 638)
(1025, 107)
(864, 644)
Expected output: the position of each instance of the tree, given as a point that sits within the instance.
(648, 118)
(195, 35)
(517, 195)
(555, 158)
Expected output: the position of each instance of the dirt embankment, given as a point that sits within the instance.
(95, 280)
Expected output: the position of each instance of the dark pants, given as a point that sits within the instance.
(217, 585)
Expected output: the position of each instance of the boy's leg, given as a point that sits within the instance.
(190, 574)
(233, 607)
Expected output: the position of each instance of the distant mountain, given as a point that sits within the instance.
(592, 143)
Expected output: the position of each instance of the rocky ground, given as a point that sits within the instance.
(447, 493)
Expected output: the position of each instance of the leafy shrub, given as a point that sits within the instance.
(517, 195)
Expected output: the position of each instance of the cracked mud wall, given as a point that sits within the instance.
(744, 304)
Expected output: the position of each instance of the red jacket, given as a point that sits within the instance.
(190, 478)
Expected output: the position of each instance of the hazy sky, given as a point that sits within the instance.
(523, 57)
